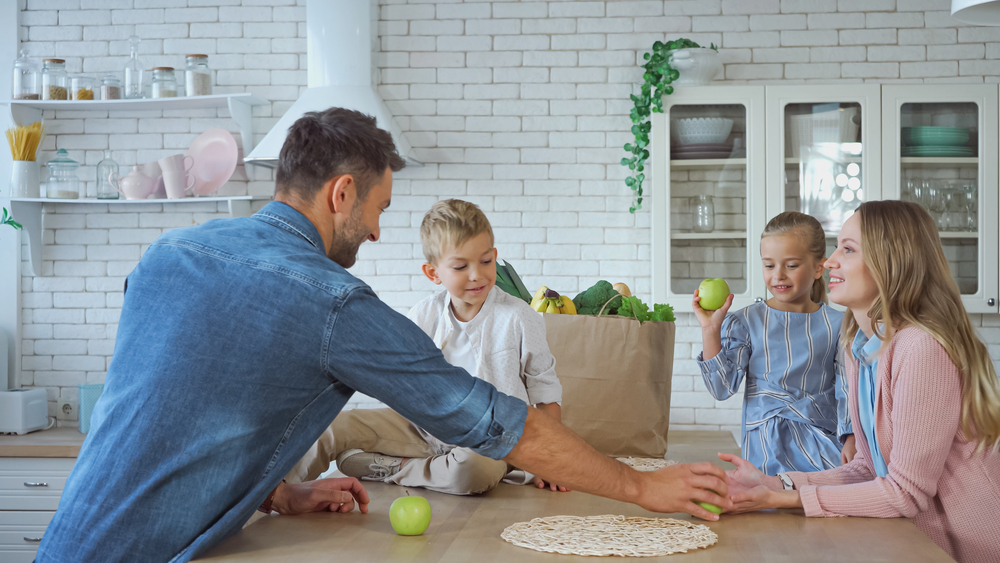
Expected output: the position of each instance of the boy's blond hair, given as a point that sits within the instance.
(450, 223)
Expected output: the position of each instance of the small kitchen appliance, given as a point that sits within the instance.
(23, 411)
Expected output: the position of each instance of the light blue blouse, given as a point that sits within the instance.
(795, 403)
(864, 350)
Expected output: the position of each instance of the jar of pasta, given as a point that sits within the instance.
(81, 87)
(55, 81)
(164, 83)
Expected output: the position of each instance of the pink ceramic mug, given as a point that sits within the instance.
(177, 183)
(176, 162)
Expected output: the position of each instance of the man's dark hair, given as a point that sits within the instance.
(323, 144)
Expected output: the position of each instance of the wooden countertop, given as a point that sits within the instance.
(468, 528)
(56, 442)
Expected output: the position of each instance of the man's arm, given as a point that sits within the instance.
(557, 454)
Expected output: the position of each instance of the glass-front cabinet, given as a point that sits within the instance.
(707, 154)
(725, 159)
(940, 143)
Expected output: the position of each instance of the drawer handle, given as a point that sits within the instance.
(30, 484)
(26, 538)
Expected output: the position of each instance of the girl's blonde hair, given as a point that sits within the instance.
(902, 249)
(812, 234)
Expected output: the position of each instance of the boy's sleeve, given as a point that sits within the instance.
(537, 363)
(844, 428)
(724, 373)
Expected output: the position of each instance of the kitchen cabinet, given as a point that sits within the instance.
(33, 472)
(825, 150)
(929, 161)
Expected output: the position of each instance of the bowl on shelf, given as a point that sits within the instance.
(700, 130)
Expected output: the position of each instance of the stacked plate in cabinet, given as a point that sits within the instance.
(702, 150)
(936, 141)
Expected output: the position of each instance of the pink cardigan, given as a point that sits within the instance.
(934, 477)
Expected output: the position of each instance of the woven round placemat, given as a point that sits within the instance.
(646, 463)
(610, 535)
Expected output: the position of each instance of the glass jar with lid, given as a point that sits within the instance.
(63, 182)
(55, 81)
(81, 87)
(25, 84)
(111, 87)
(197, 76)
(164, 83)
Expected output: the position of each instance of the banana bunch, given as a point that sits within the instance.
(548, 301)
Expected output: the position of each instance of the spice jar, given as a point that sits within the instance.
(63, 182)
(81, 87)
(111, 87)
(197, 76)
(164, 83)
(25, 84)
(55, 81)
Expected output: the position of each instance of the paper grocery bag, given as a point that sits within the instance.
(616, 376)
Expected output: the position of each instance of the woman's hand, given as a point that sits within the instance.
(746, 476)
(849, 450)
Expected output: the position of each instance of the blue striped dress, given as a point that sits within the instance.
(795, 403)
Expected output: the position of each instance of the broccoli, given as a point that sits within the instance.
(592, 300)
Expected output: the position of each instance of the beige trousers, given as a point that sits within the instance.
(432, 464)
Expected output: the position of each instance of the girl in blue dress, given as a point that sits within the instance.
(795, 405)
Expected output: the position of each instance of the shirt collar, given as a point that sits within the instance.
(864, 348)
(288, 218)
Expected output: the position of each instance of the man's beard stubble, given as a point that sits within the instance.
(344, 249)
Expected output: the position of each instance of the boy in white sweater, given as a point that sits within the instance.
(492, 335)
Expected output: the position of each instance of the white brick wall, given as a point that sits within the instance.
(520, 107)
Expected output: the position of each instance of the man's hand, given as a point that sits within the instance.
(324, 495)
(849, 450)
(675, 488)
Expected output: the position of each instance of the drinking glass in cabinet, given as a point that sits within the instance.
(823, 159)
(708, 195)
(939, 165)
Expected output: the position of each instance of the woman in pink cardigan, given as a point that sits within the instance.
(924, 398)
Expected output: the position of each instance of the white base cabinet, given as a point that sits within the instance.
(29, 496)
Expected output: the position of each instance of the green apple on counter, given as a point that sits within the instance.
(410, 516)
(713, 293)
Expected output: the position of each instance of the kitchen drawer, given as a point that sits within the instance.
(15, 526)
(33, 483)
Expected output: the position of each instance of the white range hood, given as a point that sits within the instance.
(340, 42)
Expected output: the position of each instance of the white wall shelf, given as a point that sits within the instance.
(28, 212)
(938, 161)
(26, 112)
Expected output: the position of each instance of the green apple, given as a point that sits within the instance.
(708, 506)
(713, 293)
(410, 516)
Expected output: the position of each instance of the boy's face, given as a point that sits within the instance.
(468, 272)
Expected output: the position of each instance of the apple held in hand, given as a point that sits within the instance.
(410, 516)
(713, 293)
(709, 506)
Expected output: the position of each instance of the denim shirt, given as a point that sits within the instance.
(238, 344)
(865, 351)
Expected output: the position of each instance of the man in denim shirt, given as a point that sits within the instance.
(239, 342)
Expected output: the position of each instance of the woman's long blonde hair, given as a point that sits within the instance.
(902, 249)
(812, 234)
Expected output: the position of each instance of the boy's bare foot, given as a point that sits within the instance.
(368, 466)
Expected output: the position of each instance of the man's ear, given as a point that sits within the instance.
(340, 193)
(431, 272)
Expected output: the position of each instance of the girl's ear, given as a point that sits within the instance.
(820, 268)
(431, 272)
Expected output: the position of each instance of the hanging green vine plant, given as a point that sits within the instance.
(656, 84)
(9, 220)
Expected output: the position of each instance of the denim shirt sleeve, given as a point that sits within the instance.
(724, 373)
(844, 428)
(375, 350)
